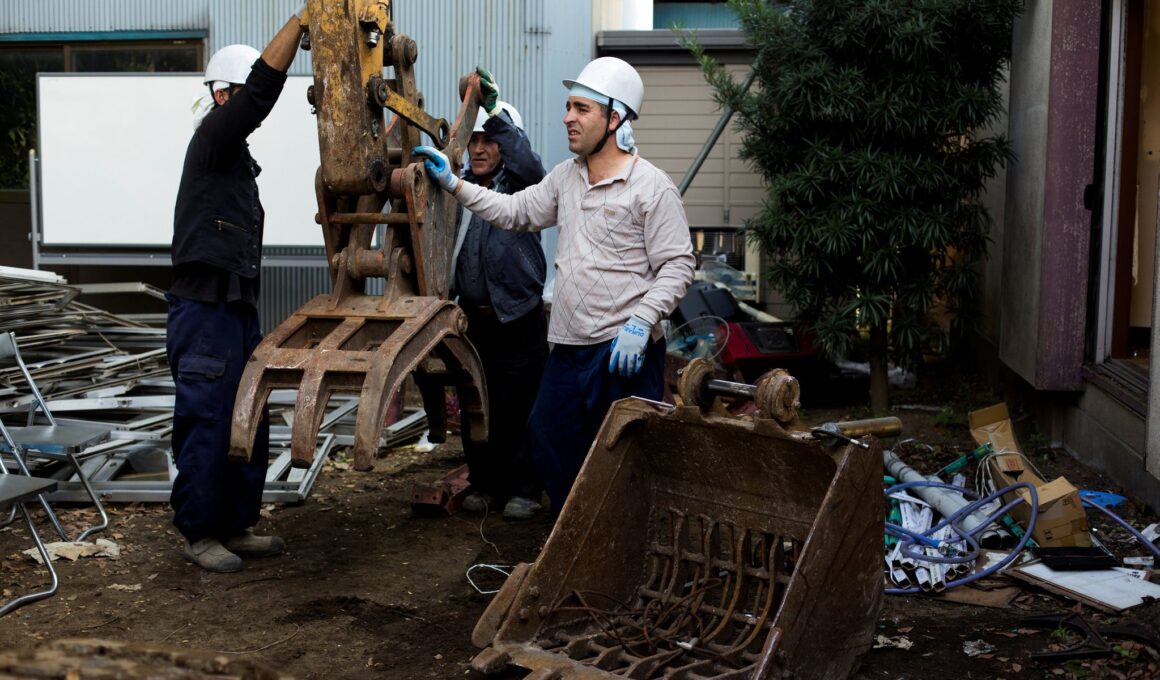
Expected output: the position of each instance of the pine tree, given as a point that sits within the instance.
(864, 122)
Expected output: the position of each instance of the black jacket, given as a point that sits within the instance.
(513, 264)
(218, 219)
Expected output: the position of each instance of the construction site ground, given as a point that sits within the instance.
(369, 589)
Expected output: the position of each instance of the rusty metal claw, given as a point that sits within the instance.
(350, 341)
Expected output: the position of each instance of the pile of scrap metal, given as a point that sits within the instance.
(95, 367)
(695, 545)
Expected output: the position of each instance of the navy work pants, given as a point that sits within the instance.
(208, 344)
(574, 397)
(513, 356)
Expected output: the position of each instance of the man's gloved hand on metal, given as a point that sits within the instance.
(438, 167)
(488, 90)
(628, 348)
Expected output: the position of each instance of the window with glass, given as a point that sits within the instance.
(21, 61)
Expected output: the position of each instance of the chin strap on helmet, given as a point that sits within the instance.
(608, 119)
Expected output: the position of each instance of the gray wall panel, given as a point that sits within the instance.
(530, 46)
(35, 16)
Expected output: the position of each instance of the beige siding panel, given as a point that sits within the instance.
(745, 212)
(679, 114)
(702, 215)
(678, 166)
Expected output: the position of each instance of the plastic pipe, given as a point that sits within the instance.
(946, 502)
(1003, 564)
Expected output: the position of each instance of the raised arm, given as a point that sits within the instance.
(519, 160)
(279, 54)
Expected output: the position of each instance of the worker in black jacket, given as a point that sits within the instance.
(213, 322)
(499, 281)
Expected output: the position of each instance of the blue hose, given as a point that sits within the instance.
(909, 538)
(1132, 530)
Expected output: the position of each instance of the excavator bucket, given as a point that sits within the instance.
(695, 546)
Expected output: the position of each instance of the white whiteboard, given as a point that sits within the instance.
(112, 148)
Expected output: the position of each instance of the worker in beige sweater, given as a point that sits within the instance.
(624, 260)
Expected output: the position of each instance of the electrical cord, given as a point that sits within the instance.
(967, 537)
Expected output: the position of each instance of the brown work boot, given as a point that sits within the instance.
(252, 545)
(211, 555)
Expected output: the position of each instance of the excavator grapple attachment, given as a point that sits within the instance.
(695, 546)
(370, 115)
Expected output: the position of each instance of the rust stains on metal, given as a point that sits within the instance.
(699, 546)
(350, 341)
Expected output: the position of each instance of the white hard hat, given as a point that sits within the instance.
(481, 117)
(615, 79)
(230, 64)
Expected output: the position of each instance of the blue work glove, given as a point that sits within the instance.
(438, 167)
(628, 348)
(489, 90)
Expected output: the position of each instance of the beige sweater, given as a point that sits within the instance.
(624, 247)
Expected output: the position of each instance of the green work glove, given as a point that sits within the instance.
(488, 90)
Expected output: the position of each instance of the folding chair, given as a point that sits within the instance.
(18, 490)
(53, 441)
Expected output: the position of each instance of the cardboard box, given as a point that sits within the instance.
(1062, 521)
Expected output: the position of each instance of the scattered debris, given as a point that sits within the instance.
(974, 648)
(99, 368)
(900, 642)
(74, 550)
(1105, 589)
(1060, 521)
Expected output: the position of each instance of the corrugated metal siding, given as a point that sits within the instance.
(252, 22)
(32, 16)
(285, 289)
(530, 46)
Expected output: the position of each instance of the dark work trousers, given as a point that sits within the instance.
(574, 397)
(208, 344)
(513, 356)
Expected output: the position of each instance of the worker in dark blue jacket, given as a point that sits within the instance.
(213, 324)
(499, 280)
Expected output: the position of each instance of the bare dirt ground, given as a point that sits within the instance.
(368, 589)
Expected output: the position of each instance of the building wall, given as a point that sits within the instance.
(1035, 286)
(56, 16)
(530, 45)
(1021, 228)
(995, 200)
